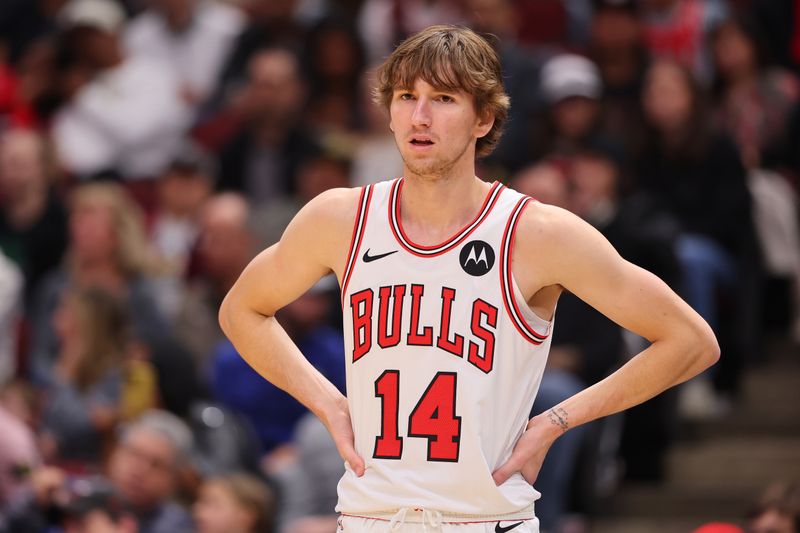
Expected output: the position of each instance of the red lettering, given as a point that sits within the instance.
(386, 339)
(361, 305)
(415, 338)
(455, 346)
(482, 309)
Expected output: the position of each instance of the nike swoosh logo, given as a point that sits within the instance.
(499, 529)
(368, 258)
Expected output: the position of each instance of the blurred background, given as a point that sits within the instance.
(150, 148)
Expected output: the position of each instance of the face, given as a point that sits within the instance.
(217, 511)
(667, 98)
(435, 130)
(21, 163)
(772, 522)
(143, 469)
(183, 194)
(733, 52)
(225, 244)
(66, 319)
(574, 117)
(91, 230)
(594, 180)
(274, 85)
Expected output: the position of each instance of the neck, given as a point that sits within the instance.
(433, 209)
(102, 273)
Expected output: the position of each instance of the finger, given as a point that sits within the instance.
(351, 457)
(505, 471)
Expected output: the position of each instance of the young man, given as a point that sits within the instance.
(449, 286)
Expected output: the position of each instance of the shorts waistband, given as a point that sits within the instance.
(418, 515)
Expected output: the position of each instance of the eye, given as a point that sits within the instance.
(405, 96)
(446, 99)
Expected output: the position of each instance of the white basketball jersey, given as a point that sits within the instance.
(444, 359)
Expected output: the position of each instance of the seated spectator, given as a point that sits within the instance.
(234, 502)
(124, 114)
(18, 458)
(83, 396)
(107, 248)
(756, 101)
(182, 191)
(571, 88)
(143, 471)
(145, 468)
(776, 511)
(696, 174)
(334, 62)
(273, 413)
(261, 158)
(226, 243)
(33, 220)
(193, 37)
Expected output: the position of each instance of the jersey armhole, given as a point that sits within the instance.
(533, 328)
(359, 226)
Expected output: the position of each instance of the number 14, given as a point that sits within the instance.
(434, 418)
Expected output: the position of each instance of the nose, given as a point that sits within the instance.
(422, 115)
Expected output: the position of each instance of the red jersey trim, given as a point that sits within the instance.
(359, 226)
(396, 224)
(506, 279)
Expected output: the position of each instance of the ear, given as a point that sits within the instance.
(484, 124)
(391, 126)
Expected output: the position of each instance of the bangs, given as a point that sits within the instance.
(434, 66)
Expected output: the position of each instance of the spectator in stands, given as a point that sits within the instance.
(194, 38)
(755, 103)
(226, 243)
(82, 398)
(754, 98)
(235, 502)
(571, 87)
(272, 412)
(617, 47)
(32, 219)
(334, 62)
(144, 470)
(777, 510)
(696, 174)
(124, 113)
(261, 159)
(108, 249)
(18, 458)
(182, 191)
(272, 24)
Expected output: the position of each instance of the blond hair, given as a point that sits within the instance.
(450, 58)
(252, 494)
(103, 323)
(133, 254)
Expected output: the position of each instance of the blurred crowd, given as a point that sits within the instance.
(150, 148)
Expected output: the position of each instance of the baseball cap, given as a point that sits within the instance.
(106, 15)
(191, 158)
(569, 75)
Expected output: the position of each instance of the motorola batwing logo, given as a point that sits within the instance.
(476, 258)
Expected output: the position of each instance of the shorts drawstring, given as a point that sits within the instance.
(429, 517)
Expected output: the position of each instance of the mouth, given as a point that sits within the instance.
(421, 141)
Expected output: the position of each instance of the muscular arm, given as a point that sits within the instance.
(571, 254)
(314, 244)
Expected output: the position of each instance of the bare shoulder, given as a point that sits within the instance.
(555, 241)
(323, 227)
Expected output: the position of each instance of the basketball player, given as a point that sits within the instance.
(449, 287)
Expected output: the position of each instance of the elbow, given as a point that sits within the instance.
(224, 316)
(708, 350)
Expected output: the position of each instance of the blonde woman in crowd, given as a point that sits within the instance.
(107, 248)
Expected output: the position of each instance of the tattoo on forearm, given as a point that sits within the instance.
(559, 417)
